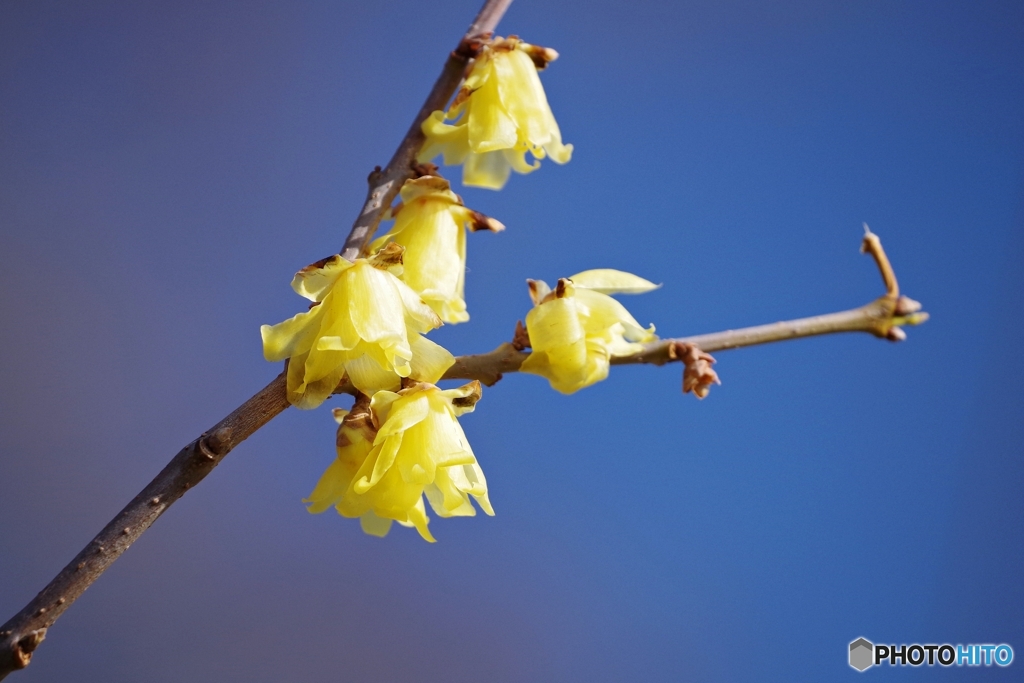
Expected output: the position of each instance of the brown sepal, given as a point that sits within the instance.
(426, 168)
(479, 221)
(391, 254)
(477, 392)
(359, 418)
(469, 48)
(460, 97)
(317, 265)
(540, 56)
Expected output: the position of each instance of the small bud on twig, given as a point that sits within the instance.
(905, 306)
(521, 338)
(896, 334)
(698, 375)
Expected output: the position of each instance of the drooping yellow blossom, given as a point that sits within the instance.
(401, 447)
(576, 328)
(502, 114)
(429, 224)
(354, 442)
(364, 321)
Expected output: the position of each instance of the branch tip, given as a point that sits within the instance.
(872, 245)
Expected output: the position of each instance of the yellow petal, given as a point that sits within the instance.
(376, 309)
(418, 518)
(464, 399)
(380, 406)
(430, 228)
(403, 414)
(293, 336)
(330, 488)
(599, 312)
(383, 456)
(315, 280)
(374, 525)
(554, 323)
(610, 281)
(429, 360)
(367, 375)
(447, 501)
(317, 391)
(523, 96)
(489, 170)
(475, 477)
(442, 138)
(490, 125)
(538, 291)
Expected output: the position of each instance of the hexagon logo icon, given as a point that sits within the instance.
(862, 654)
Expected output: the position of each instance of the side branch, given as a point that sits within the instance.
(872, 318)
(385, 184)
(881, 318)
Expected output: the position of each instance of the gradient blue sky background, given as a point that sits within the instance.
(165, 167)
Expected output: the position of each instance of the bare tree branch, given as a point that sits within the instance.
(23, 633)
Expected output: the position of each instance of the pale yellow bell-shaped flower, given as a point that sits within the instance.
(364, 322)
(353, 443)
(576, 328)
(502, 114)
(408, 445)
(429, 224)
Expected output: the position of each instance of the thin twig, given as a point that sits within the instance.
(23, 633)
(881, 318)
(489, 367)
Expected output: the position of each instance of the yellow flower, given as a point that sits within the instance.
(354, 442)
(576, 328)
(401, 447)
(429, 224)
(503, 114)
(364, 321)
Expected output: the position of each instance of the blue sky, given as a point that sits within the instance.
(166, 167)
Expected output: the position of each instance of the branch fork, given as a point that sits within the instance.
(894, 310)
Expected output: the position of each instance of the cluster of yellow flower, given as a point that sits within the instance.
(402, 440)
